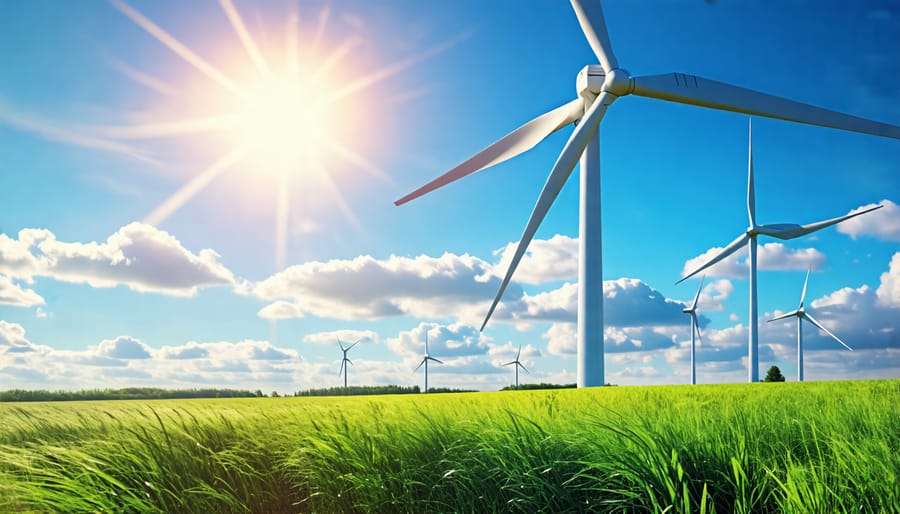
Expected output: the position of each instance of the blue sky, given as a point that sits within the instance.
(149, 237)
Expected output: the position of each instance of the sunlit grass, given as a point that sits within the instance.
(810, 447)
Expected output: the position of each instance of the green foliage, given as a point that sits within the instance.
(129, 393)
(774, 375)
(359, 391)
(802, 447)
(542, 385)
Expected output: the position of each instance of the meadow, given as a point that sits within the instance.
(826, 447)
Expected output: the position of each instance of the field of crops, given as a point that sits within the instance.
(803, 447)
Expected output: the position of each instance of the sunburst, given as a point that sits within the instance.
(280, 121)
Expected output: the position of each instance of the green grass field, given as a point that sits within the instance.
(803, 447)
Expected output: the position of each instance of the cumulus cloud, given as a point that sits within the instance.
(444, 341)
(346, 336)
(138, 256)
(368, 288)
(770, 256)
(546, 260)
(13, 294)
(123, 347)
(626, 302)
(882, 224)
(126, 361)
(889, 290)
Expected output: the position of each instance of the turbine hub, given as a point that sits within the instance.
(618, 82)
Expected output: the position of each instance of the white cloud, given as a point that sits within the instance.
(546, 260)
(444, 341)
(883, 224)
(347, 336)
(368, 288)
(123, 347)
(889, 290)
(138, 256)
(561, 339)
(13, 294)
(770, 256)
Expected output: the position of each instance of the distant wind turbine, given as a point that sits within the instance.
(518, 365)
(695, 328)
(425, 360)
(598, 87)
(345, 361)
(781, 231)
(801, 315)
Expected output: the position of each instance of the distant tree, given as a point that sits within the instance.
(774, 375)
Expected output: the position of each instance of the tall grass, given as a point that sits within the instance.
(810, 447)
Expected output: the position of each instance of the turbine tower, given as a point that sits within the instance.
(518, 365)
(803, 315)
(783, 231)
(695, 328)
(425, 360)
(598, 86)
(345, 361)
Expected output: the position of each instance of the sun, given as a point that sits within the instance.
(286, 119)
(285, 122)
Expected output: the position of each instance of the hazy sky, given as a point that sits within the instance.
(199, 194)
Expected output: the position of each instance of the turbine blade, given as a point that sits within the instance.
(697, 296)
(510, 363)
(697, 327)
(342, 368)
(420, 365)
(518, 353)
(693, 90)
(805, 282)
(751, 187)
(436, 360)
(565, 163)
(792, 232)
(836, 338)
(734, 246)
(516, 142)
(352, 345)
(593, 24)
(523, 367)
(785, 316)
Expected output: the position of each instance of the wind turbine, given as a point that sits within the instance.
(695, 328)
(783, 231)
(598, 86)
(803, 315)
(518, 364)
(345, 361)
(425, 360)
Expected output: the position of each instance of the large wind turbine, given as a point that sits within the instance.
(517, 364)
(425, 360)
(599, 86)
(779, 230)
(803, 315)
(695, 328)
(345, 361)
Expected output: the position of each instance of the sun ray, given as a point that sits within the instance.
(171, 128)
(336, 195)
(281, 219)
(194, 186)
(177, 47)
(354, 158)
(324, 14)
(335, 57)
(241, 30)
(292, 43)
(144, 79)
(56, 131)
(387, 72)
